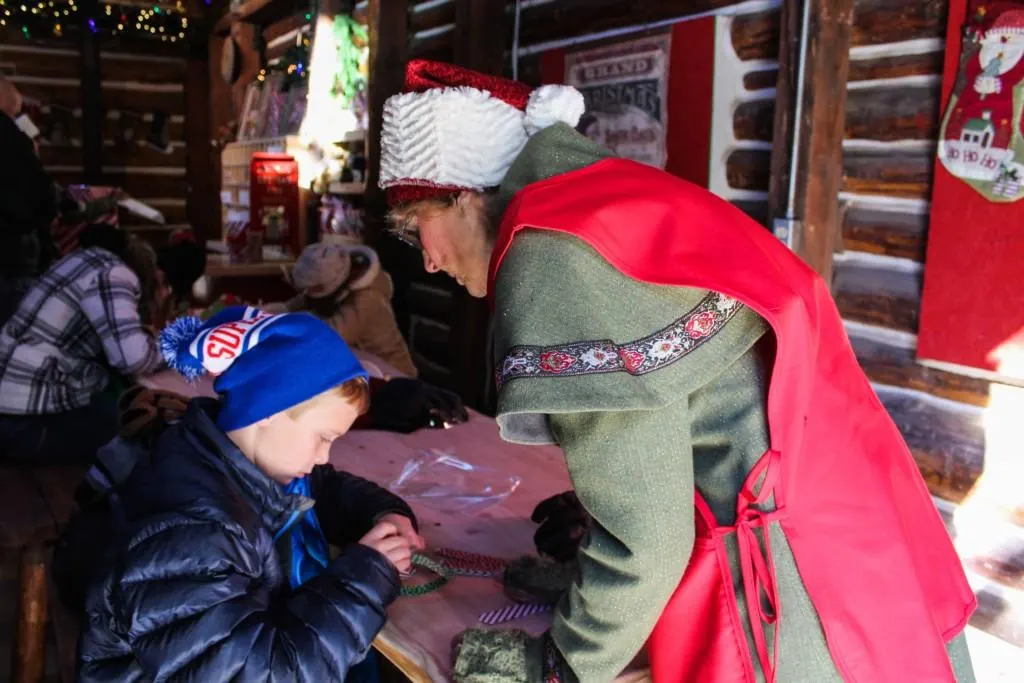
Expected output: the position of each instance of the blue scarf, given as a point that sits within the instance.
(309, 546)
(310, 557)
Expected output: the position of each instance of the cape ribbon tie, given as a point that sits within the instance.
(756, 565)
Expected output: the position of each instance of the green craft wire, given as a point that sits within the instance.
(443, 577)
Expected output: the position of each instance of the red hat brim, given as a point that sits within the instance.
(399, 195)
(425, 74)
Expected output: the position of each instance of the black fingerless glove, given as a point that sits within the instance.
(406, 405)
(563, 523)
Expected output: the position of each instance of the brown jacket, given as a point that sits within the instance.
(365, 320)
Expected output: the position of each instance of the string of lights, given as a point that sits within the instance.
(43, 18)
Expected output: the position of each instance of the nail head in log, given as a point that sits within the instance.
(948, 444)
(897, 366)
(754, 120)
(885, 297)
(876, 22)
(748, 169)
(898, 66)
(756, 36)
(906, 175)
(888, 233)
(889, 114)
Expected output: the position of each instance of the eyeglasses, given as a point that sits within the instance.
(407, 233)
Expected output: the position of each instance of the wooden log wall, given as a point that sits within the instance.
(136, 84)
(892, 121)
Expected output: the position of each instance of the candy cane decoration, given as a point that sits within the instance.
(465, 563)
(512, 612)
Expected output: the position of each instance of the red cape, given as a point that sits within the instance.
(870, 546)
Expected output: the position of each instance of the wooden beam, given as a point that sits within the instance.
(432, 17)
(898, 66)
(948, 443)
(820, 128)
(883, 294)
(896, 365)
(203, 204)
(886, 114)
(907, 176)
(389, 45)
(91, 96)
(885, 233)
(875, 22)
(572, 18)
(482, 32)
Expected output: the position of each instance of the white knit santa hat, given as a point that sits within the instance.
(456, 129)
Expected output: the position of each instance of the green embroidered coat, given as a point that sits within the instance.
(636, 446)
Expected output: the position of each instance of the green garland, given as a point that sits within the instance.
(350, 78)
(443, 577)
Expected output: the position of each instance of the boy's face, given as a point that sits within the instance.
(287, 447)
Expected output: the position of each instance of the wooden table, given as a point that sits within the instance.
(417, 638)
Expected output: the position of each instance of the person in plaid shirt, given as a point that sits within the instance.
(75, 328)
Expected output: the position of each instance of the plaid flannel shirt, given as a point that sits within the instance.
(76, 325)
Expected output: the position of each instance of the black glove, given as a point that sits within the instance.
(563, 523)
(405, 405)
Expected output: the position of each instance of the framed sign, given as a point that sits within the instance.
(625, 86)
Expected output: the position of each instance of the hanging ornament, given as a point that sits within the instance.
(980, 140)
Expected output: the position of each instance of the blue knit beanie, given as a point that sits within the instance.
(264, 364)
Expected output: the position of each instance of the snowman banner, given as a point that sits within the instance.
(981, 141)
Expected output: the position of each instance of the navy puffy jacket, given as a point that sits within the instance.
(196, 591)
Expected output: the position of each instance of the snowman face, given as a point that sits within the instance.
(1008, 49)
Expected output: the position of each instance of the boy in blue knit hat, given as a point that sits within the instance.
(222, 568)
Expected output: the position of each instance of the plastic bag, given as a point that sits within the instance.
(444, 482)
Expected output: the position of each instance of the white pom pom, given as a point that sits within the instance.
(551, 104)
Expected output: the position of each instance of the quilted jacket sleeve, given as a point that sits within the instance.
(348, 506)
(194, 604)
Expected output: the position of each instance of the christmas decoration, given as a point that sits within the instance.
(512, 612)
(352, 44)
(166, 22)
(443, 577)
(981, 141)
(466, 563)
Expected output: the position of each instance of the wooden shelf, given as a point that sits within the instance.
(221, 268)
(347, 188)
(353, 136)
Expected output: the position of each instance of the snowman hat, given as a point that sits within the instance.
(454, 129)
(1009, 24)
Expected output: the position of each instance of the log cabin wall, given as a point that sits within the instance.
(137, 84)
(948, 420)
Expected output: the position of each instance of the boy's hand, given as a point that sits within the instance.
(385, 539)
(405, 529)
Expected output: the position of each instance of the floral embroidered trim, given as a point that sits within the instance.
(552, 661)
(639, 357)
